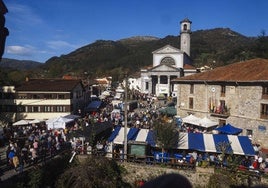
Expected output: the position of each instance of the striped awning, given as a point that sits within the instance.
(240, 145)
(232, 144)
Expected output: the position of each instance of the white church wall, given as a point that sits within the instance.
(178, 58)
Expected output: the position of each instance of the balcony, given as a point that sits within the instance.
(222, 112)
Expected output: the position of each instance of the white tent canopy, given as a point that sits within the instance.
(36, 121)
(202, 122)
(206, 123)
(21, 122)
(72, 116)
(58, 122)
(191, 119)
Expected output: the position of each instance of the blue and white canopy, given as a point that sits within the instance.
(239, 145)
(229, 129)
(133, 134)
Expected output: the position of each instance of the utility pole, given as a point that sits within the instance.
(125, 119)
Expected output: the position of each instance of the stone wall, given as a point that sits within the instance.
(135, 172)
(199, 177)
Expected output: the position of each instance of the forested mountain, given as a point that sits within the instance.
(19, 64)
(214, 47)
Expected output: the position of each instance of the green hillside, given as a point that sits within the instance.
(215, 47)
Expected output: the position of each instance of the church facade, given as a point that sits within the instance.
(168, 63)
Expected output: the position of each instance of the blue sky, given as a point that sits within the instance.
(41, 29)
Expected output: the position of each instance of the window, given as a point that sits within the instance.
(192, 89)
(47, 108)
(223, 89)
(167, 61)
(249, 132)
(222, 107)
(22, 96)
(185, 27)
(264, 111)
(191, 103)
(35, 109)
(36, 96)
(146, 85)
(48, 96)
(61, 96)
(222, 122)
(265, 92)
(163, 80)
(60, 109)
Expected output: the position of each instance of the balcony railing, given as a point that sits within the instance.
(221, 112)
(224, 115)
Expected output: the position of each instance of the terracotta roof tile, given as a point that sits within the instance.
(48, 85)
(247, 71)
(187, 66)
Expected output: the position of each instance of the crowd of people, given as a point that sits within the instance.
(28, 145)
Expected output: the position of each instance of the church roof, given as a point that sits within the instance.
(186, 20)
(167, 49)
(254, 70)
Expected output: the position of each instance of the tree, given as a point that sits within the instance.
(261, 45)
(166, 135)
(92, 172)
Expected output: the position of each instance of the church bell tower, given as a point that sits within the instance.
(185, 35)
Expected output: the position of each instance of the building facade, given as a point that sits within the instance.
(7, 104)
(236, 94)
(168, 64)
(48, 98)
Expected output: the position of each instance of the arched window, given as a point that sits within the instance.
(185, 27)
(167, 61)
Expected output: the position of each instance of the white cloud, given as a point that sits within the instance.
(23, 15)
(59, 44)
(20, 50)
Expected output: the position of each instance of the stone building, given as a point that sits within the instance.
(168, 63)
(236, 94)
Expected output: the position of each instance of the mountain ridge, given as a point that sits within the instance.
(213, 47)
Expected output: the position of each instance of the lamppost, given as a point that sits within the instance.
(125, 119)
